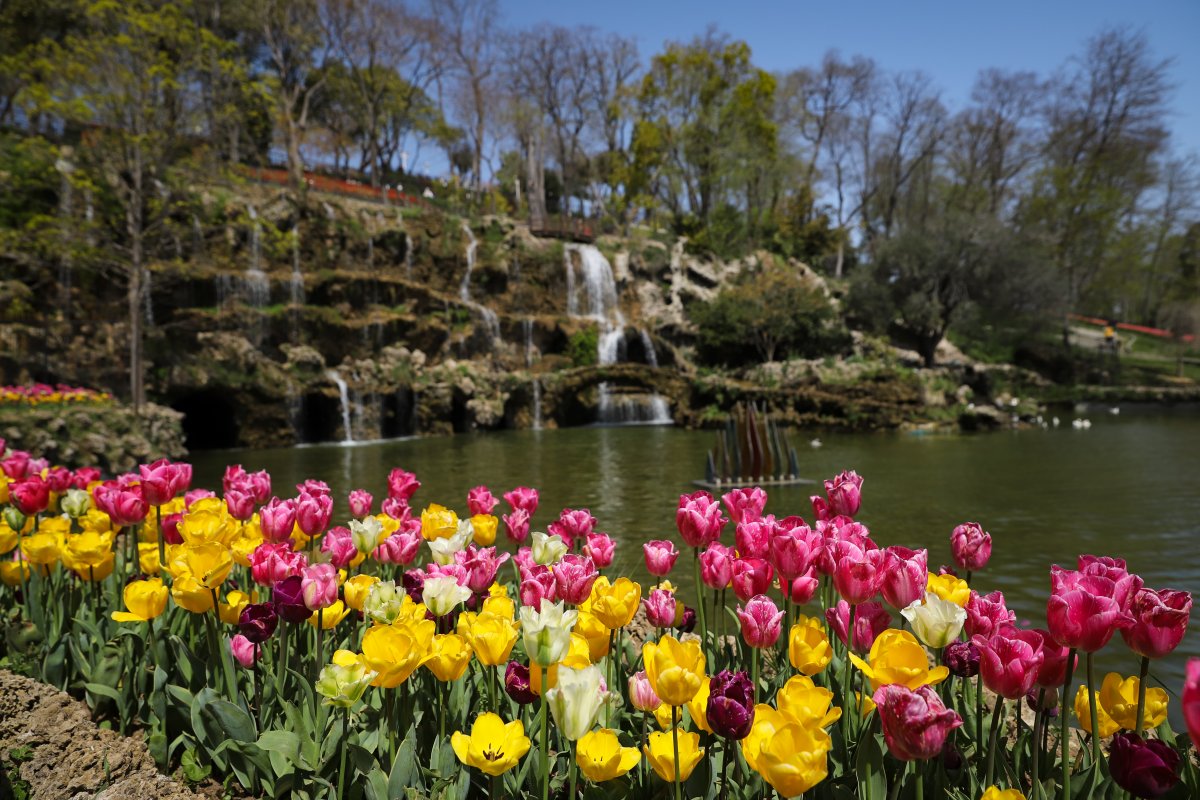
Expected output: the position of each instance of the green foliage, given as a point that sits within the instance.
(768, 314)
(582, 346)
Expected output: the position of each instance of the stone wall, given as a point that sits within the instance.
(107, 435)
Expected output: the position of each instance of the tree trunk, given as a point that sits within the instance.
(535, 184)
(928, 349)
(136, 382)
(295, 161)
(841, 259)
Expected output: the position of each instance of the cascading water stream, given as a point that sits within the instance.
(344, 398)
(536, 389)
(491, 322)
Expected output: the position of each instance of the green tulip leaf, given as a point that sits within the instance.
(872, 779)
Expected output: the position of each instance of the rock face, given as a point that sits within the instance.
(108, 435)
(69, 757)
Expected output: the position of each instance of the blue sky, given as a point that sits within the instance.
(951, 41)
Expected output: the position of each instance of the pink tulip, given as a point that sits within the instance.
(716, 565)
(572, 524)
(751, 576)
(761, 621)
(844, 493)
(244, 651)
(396, 508)
(915, 723)
(194, 495)
(59, 479)
(271, 562)
(971, 546)
(240, 504)
(31, 495)
(699, 519)
(1125, 583)
(905, 576)
(1009, 661)
(338, 544)
(524, 498)
(857, 573)
(481, 565)
(480, 501)
(360, 502)
(574, 576)
(160, 481)
(660, 608)
(1190, 699)
(537, 584)
(753, 538)
(839, 529)
(277, 519)
(401, 547)
(600, 548)
(1053, 670)
(16, 466)
(660, 557)
(319, 584)
(1160, 620)
(313, 512)
(314, 487)
(987, 614)
(234, 476)
(870, 620)
(524, 560)
(402, 485)
(794, 547)
(641, 691)
(169, 529)
(1081, 611)
(127, 507)
(259, 484)
(516, 525)
(802, 588)
(81, 477)
(745, 505)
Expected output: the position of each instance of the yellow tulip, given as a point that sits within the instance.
(808, 646)
(794, 759)
(576, 658)
(996, 793)
(88, 549)
(395, 651)
(698, 706)
(438, 522)
(491, 637)
(330, 616)
(806, 703)
(231, 610)
(614, 604)
(1118, 698)
(95, 520)
(493, 746)
(1083, 711)
(949, 588)
(92, 572)
(595, 632)
(11, 571)
(8, 537)
(148, 558)
(767, 720)
(190, 594)
(209, 563)
(346, 658)
(897, 657)
(675, 669)
(662, 715)
(866, 703)
(242, 545)
(56, 526)
(484, 526)
(356, 590)
(660, 752)
(198, 526)
(501, 605)
(450, 657)
(144, 599)
(601, 757)
(41, 548)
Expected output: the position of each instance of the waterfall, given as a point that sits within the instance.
(344, 397)
(648, 346)
(255, 283)
(296, 286)
(537, 404)
(464, 290)
(408, 255)
(536, 390)
(592, 294)
(197, 236)
(527, 329)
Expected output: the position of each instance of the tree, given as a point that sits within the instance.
(122, 80)
(465, 32)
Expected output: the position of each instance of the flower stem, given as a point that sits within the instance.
(1094, 711)
(997, 715)
(700, 599)
(545, 738)
(847, 721)
(1064, 742)
(571, 768)
(1143, 673)
(725, 755)
(675, 744)
(343, 745)
(920, 782)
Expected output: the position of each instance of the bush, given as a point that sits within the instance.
(582, 346)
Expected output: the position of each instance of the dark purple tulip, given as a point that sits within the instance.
(962, 659)
(516, 683)
(413, 582)
(730, 709)
(688, 624)
(951, 758)
(257, 622)
(1145, 768)
(289, 600)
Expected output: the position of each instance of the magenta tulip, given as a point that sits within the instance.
(716, 565)
(360, 502)
(271, 562)
(751, 576)
(240, 504)
(915, 723)
(1160, 620)
(318, 584)
(870, 620)
(844, 493)
(339, 546)
(660, 557)
(660, 608)
(258, 483)
(699, 519)
(402, 546)
(761, 621)
(402, 485)
(277, 520)
(971, 546)
(1189, 698)
(793, 548)
(480, 500)
(516, 525)
(1125, 583)
(523, 498)
(1081, 611)
(802, 588)
(905, 574)
(244, 651)
(987, 614)
(857, 573)
(396, 508)
(745, 505)
(537, 584)
(311, 486)
(1009, 661)
(160, 481)
(313, 512)
(753, 538)
(573, 578)
(31, 495)
(600, 548)
(572, 524)
(1053, 670)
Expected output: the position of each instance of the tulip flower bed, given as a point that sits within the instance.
(406, 654)
(43, 394)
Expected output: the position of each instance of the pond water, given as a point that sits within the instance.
(1127, 487)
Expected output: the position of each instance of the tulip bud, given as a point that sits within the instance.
(599, 549)
(730, 710)
(661, 555)
(257, 622)
(338, 544)
(13, 518)
(971, 546)
(641, 693)
(516, 683)
(573, 578)
(319, 586)
(523, 498)
(547, 550)
(360, 502)
(402, 485)
(516, 525)
(1143, 767)
(962, 659)
(443, 594)
(699, 519)
(915, 723)
(76, 503)
(244, 651)
(660, 608)
(761, 621)
(288, 598)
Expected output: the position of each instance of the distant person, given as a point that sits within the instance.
(1110, 337)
